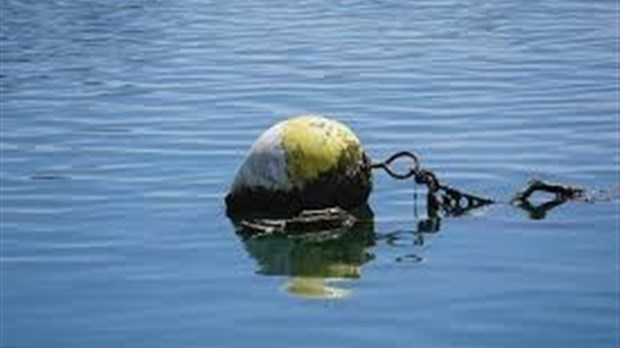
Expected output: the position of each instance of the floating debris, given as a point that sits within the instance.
(307, 221)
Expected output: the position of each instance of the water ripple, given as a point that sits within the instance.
(122, 124)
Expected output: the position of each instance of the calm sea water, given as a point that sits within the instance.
(123, 123)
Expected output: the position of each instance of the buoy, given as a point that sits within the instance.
(305, 162)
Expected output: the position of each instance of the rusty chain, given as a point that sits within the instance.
(449, 199)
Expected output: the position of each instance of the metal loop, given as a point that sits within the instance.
(385, 165)
(452, 201)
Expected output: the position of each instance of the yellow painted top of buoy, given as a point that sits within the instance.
(298, 151)
(315, 145)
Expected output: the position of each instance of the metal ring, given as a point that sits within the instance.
(385, 165)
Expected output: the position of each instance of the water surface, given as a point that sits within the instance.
(122, 124)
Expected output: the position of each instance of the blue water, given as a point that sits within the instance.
(123, 122)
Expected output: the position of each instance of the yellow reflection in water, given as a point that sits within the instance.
(314, 288)
(313, 264)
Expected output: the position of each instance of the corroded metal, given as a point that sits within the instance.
(561, 192)
(450, 200)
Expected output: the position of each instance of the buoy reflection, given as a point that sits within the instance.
(315, 264)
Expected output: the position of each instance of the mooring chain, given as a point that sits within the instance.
(456, 202)
(453, 201)
(566, 193)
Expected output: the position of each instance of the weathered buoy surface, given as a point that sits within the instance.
(306, 162)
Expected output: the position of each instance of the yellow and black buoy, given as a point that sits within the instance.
(305, 162)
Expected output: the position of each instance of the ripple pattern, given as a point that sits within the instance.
(122, 124)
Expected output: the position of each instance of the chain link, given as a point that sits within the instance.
(449, 199)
